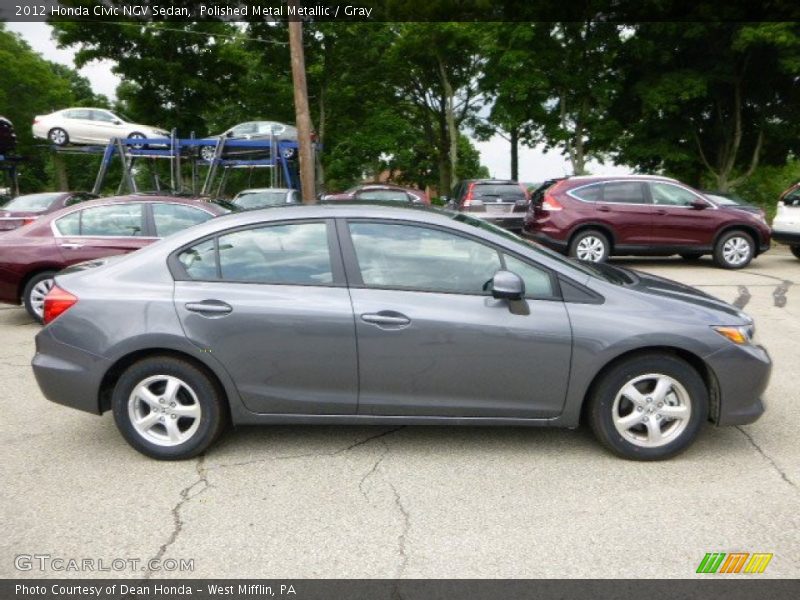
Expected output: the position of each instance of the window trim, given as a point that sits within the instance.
(711, 204)
(81, 207)
(353, 270)
(178, 271)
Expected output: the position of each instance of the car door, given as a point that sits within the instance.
(626, 207)
(432, 342)
(78, 124)
(676, 222)
(270, 303)
(98, 231)
(106, 126)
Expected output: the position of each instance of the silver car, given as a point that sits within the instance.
(380, 315)
(263, 197)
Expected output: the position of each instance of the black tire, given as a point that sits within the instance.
(594, 239)
(138, 134)
(33, 304)
(58, 136)
(691, 255)
(795, 250)
(601, 407)
(731, 237)
(213, 408)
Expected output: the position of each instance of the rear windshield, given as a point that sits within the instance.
(383, 195)
(31, 202)
(249, 200)
(498, 190)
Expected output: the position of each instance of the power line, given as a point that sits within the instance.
(185, 31)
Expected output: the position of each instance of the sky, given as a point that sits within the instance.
(534, 164)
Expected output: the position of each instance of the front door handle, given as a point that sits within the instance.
(209, 307)
(71, 246)
(386, 318)
(661, 211)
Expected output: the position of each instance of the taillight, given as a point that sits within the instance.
(550, 204)
(468, 198)
(28, 220)
(57, 302)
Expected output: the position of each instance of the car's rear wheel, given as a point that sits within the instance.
(795, 250)
(58, 136)
(691, 255)
(35, 290)
(734, 250)
(168, 409)
(649, 407)
(590, 245)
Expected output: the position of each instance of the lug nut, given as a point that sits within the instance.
(161, 401)
(660, 404)
(645, 419)
(172, 404)
(174, 416)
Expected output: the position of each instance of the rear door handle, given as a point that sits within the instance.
(386, 318)
(603, 209)
(71, 246)
(209, 307)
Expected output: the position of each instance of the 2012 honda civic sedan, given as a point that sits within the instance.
(373, 314)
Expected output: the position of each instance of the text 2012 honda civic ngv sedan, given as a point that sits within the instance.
(384, 315)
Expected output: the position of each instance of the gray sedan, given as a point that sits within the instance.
(387, 315)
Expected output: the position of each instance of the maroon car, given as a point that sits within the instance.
(592, 218)
(381, 192)
(31, 255)
(26, 209)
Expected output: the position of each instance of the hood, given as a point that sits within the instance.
(661, 287)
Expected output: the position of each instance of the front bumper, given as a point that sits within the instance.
(68, 375)
(742, 374)
(787, 237)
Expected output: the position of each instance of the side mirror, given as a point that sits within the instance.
(508, 285)
(699, 204)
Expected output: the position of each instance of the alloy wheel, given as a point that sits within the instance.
(164, 410)
(591, 249)
(37, 295)
(736, 251)
(58, 137)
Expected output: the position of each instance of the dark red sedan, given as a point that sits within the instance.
(381, 192)
(26, 209)
(31, 255)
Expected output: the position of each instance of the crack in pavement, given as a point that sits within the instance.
(402, 538)
(178, 522)
(374, 468)
(767, 457)
(308, 454)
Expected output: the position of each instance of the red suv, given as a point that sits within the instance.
(592, 218)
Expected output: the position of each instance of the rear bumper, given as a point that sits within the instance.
(742, 374)
(787, 237)
(67, 375)
(507, 220)
(546, 240)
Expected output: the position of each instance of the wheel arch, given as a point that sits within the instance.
(696, 362)
(38, 270)
(750, 230)
(602, 227)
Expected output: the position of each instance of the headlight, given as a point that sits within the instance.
(741, 335)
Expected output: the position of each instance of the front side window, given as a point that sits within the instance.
(665, 194)
(102, 115)
(422, 258)
(537, 281)
(171, 218)
(244, 129)
(117, 220)
(624, 192)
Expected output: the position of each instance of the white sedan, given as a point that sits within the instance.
(89, 126)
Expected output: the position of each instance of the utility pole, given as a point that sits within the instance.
(302, 114)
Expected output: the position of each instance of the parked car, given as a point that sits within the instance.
(503, 202)
(381, 192)
(592, 218)
(29, 207)
(8, 139)
(374, 314)
(90, 126)
(731, 200)
(251, 130)
(30, 256)
(786, 225)
(264, 197)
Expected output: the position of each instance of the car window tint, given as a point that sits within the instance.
(792, 199)
(261, 199)
(244, 128)
(101, 115)
(422, 258)
(537, 281)
(280, 254)
(382, 196)
(624, 192)
(118, 220)
(69, 224)
(170, 218)
(77, 198)
(671, 195)
(589, 193)
(80, 113)
(32, 202)
(200, 261)
(507, 191)
(267, 127)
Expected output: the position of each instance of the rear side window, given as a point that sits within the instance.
(624, 192)
(589, 193)
(200, 261)
(69, 224)
(510, 191)
(171, 218)
(116, 220)
(79, 113)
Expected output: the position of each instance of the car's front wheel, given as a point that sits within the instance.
(648, 407)
(590, 245)
(795, 250)
(138, 136)
(34, 293)
(168, 409)
(734, 250)
(208, 152)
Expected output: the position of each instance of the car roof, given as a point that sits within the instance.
(620, 178)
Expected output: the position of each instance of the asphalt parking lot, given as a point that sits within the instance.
(296, 502)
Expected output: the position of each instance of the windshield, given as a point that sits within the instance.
(584, 267)
(248, 200)
(32, 202)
